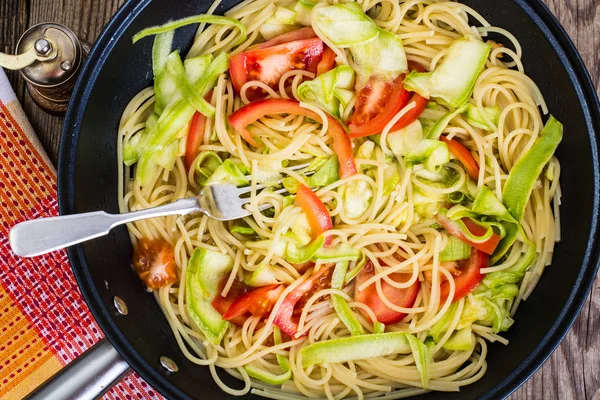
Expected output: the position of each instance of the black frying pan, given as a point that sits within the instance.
(116, 70)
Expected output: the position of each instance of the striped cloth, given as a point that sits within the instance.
(44, 322)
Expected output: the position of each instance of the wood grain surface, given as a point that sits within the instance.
(573, 370)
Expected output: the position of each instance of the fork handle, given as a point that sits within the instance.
(41, 236)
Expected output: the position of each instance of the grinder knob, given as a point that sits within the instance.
(49, 56)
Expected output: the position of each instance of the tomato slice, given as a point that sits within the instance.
(327, 62)
(300, 34)
(401, 297)
(376, 104)
(269, 64)
(316, 212)
(463, 155)
(285, 315)
(412, 114)
(194, 138)
(252, 112)
(470, 275)
(154, 263)
(488, 247)
(258, 302)
(380, 100)
(222, 304)
(451, 266)
(420, 103)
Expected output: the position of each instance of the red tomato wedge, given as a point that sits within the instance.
(412, 114)
(316, 212)
(380, 100)
(487, 247)
(420, 103)
(376, 105)
(269, 64)
(463, 155)
(327, 62)
(300, 34)
(194, 138)
(469, 275)
(222, 304)
(400, 297)
(285, 315)
(258, 302)
(154, 263)
(252, 112)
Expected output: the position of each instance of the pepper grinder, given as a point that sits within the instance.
(49, 57)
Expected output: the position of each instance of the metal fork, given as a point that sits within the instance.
(41, 236)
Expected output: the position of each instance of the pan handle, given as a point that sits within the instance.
(86, 378)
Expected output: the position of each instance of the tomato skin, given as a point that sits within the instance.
(194, 139)
(259, 302)
(413, 114)
(380, 100)
(237, 71)
(323, 282)
(285, 315)
(463, 155)
(469, 277)
(488, 247)
(300, 34)
(316, 212)
(222, 304)
(252, 112)
(327, 62)
(420, 103)
(376, 104)
(268, 64)
(450, 266)
(400, 297)
(154, 263)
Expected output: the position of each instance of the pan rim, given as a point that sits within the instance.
(580, 78)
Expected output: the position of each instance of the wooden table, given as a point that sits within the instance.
(572, 372)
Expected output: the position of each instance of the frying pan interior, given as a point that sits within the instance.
(116, 70)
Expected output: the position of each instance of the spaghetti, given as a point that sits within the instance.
(394, 231)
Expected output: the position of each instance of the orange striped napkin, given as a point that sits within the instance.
(44, 322)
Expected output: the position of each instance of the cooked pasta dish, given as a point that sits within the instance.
(403, 193)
